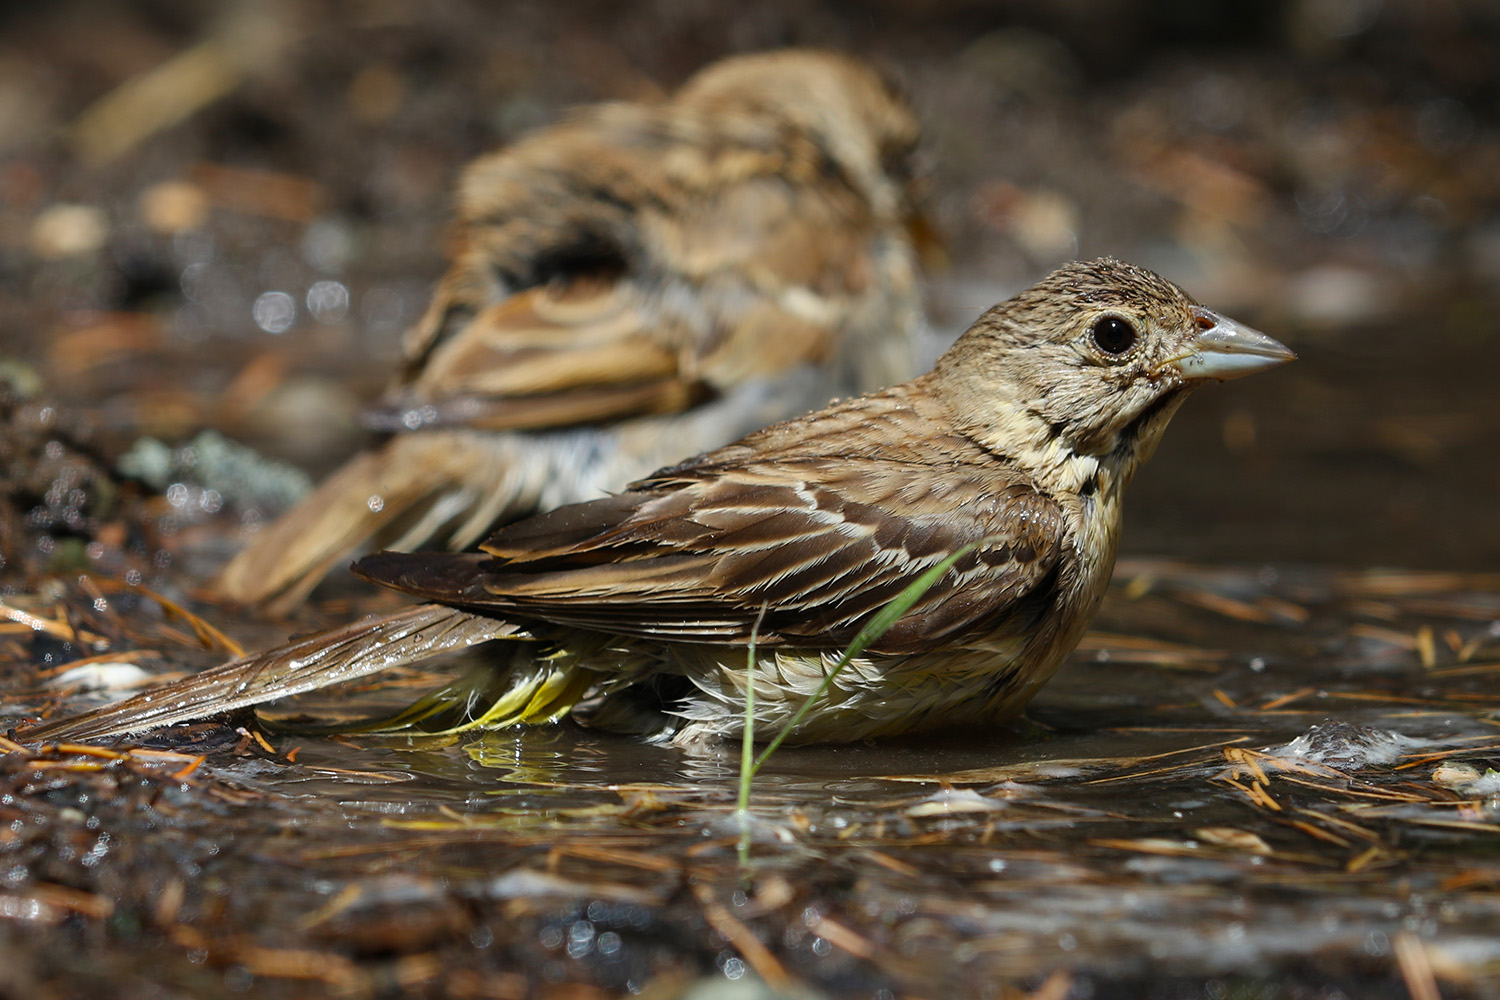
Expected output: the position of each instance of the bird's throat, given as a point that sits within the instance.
(1137, 442)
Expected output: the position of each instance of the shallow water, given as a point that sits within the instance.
(1373, 449)
(1148, 824)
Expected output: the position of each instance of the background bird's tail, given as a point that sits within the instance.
(304, 665)
(413, 486)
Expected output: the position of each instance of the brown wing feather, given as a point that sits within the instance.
(572, 351)
(696, 562)
(613, 248)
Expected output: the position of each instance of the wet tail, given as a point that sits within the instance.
(304, 665)
(415, 485)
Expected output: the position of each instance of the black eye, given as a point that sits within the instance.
(1113, 335)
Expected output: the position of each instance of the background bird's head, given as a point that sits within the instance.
(853, 115)
(1093, 360)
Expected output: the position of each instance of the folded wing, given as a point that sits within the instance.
(823, 545)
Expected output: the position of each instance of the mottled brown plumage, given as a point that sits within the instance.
(640, 605)
(639, 282)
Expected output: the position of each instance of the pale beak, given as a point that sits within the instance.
(1225, 349)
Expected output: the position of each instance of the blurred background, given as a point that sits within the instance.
(225, 215)
(222, 217)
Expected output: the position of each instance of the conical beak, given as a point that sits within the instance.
(1225, 349)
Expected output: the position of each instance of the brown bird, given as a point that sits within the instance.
(634, 612)
(637, 283)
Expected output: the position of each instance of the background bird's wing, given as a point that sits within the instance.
(824, 544)
(579, 349)
(631, 260)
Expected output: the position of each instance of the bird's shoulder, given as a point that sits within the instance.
(625, 160)
(665, 192)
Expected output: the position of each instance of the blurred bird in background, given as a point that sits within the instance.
(637, 283)
(634, 612)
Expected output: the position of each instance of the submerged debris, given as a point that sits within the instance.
(558, 855)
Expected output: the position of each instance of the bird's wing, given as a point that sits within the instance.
(823, 545)
(632, 261)
(450, 487)
(588, 349)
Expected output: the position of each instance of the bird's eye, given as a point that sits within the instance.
(1113, 335)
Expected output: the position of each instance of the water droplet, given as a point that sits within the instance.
(275, 312)
(328, 301)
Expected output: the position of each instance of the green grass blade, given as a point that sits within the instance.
(873, 630)
(747, 745)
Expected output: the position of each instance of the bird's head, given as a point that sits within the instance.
(1093, 360)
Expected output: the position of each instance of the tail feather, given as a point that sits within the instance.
(304, 665)
(436, 477)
